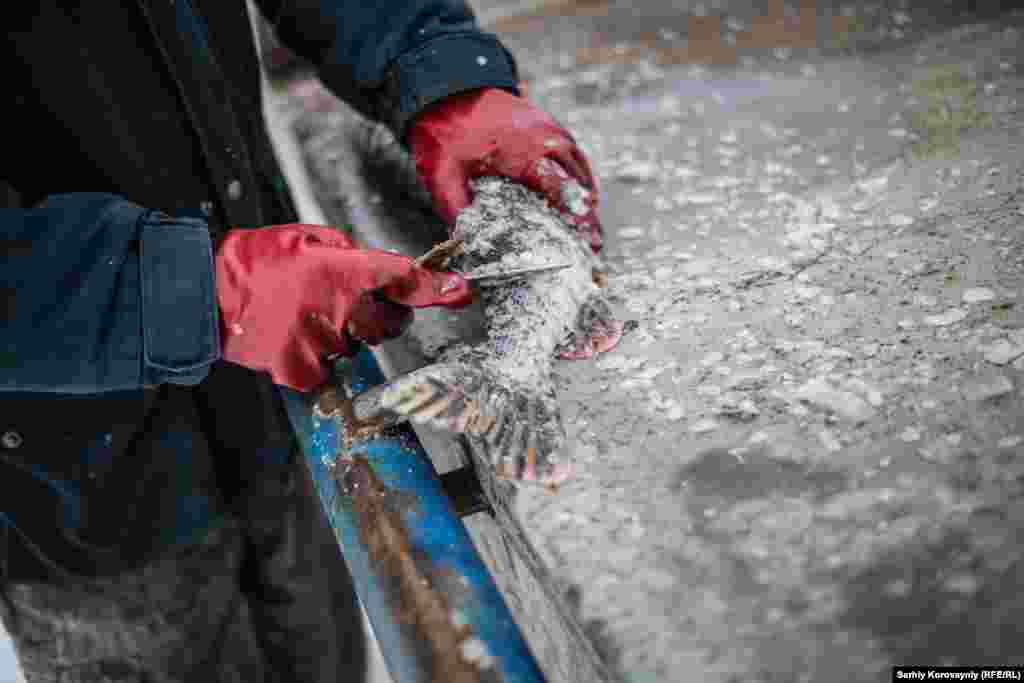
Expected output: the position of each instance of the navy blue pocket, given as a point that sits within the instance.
(179, 302)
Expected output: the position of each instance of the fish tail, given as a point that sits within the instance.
(519, 428)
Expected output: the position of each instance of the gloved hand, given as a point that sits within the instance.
(290, 295)
(492, 132)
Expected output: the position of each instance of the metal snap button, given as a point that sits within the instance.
(11, 439)
(235, 189)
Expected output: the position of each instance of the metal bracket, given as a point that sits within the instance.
(465, 492)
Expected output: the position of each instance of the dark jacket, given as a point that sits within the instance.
(133, 140)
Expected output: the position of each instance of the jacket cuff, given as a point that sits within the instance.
(445, 66)
(180, 326)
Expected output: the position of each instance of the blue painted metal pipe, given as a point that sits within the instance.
(434, 607)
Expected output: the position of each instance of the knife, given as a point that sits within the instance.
(492, 278)
(441, 254)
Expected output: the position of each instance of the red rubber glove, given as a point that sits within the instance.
(492, 132)
(290, 295)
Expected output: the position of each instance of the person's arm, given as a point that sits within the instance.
(98, 294)
(392, 60)
(450, 93)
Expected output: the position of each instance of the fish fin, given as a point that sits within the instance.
(597, 330)
(529, 441)
(519, 429)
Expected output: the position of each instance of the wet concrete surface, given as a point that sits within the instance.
(807, 463)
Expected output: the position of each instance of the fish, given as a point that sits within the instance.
(500, 391)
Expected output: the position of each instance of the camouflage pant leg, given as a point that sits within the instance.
(271, 603)
(182, 618)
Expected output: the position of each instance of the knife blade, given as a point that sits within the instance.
(493, 277)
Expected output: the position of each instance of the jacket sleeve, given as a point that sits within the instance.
(391, 60)
(98, 294)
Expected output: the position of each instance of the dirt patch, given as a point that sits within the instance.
(950, 108)
(536, 19)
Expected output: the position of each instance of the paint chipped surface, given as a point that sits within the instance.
(422, 601)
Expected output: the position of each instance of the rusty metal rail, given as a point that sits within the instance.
(434, 607)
